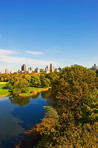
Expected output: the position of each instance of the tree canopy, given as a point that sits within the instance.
(21, 86)
(71, 120)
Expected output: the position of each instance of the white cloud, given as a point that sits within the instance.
(10, 59)
(34, 52)
(6, 52)
(21, 60)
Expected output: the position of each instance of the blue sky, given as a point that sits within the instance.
(38, 32)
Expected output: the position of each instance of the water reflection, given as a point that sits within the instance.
(36, 96)
(19, 100)
(9, 125)
(17, 115)
(45, 94)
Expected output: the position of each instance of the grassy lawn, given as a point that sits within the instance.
(3, 89)
(30, 90)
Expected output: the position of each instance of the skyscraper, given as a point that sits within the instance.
(94, 68)
(47, 70)
(23, 68)
(6, 71)
(37, 70)
(51, 68)
(30, 70)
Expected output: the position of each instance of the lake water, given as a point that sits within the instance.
(17, 115)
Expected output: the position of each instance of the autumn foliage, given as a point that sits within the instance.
(72, 120)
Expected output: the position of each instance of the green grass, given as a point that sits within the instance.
(30, 90)
(4, 90)
(2, 85)
(35, 88)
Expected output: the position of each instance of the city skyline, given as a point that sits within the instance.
(38, 33)
(49, 68)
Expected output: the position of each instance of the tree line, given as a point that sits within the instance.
(72, 119)
(20, 82)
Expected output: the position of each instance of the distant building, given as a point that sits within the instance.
(47, 70)
(37, 70)
(19, 71)
(6, 71)
(56, 69)
(11, 72)
(42, 70)
(30, 70)
(23, 68)
(51, 68)
(60, 69)
(94, 68)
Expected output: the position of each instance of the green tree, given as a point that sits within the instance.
(53, 76)
(28, 78)
(2, 79)
(13, 78)
(21, 86)
(89, 111)
(45, 82)
(43, 75)
(97, 72)
(35, 80)
(72, 89)
(45, 94)
(72, 121)
(9, 85)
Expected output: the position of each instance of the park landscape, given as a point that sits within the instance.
(71, 119)
(48, 73)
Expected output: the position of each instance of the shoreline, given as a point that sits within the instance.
(34, 92)
(6, 95)
(24, 95)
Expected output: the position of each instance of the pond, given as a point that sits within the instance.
(17, 115)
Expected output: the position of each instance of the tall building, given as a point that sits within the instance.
(23, 68)
(51, 68)
(19, 71)
(37, 70)
(42, 70)
(94, 68)
(6, 71)
(30, 70)
(11, 71)
(60, 69)
(47, 70)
